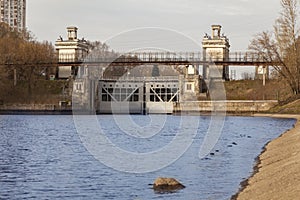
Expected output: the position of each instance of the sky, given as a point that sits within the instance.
(103, 20)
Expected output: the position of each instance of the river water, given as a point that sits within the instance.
(43, 157)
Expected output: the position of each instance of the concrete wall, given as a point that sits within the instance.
(228, 106)
(40, 109)
(189, 106)
(29, 107)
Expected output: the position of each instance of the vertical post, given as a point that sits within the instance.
(144, 105)
(264, 81)
(92, 96)
(15, 76)
(264, 76)
(204, 66)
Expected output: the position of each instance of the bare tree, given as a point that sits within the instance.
(22, 55)
(33, 58)
(281, 46)
(98, 48)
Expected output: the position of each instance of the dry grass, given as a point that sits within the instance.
(254, 90)
(43, 92)
(290, 108)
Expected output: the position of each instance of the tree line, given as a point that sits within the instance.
(21, 56)
(24, 60)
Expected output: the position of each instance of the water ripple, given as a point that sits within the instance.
(42, 157)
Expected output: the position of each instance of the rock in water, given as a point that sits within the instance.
(167, 184)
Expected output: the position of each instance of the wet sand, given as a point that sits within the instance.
(277, 174)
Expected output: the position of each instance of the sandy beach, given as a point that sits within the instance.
(277, 174)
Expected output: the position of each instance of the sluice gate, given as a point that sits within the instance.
(138, 95)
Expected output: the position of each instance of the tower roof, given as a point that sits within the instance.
(72, 28)
(216, 40)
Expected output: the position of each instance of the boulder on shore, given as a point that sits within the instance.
(162, 184)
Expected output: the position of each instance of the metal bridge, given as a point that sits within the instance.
(164, 58)
(160, 58)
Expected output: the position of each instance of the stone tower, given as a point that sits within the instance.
(216, 48)
(70, 50)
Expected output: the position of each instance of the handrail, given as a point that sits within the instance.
(160, 57)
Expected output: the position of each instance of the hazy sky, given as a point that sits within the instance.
(101, 19)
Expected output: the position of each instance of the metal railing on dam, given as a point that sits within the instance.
(160, 58)
(166, 58)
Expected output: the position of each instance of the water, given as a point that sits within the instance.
(42, 157)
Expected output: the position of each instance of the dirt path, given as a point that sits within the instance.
(278, 175)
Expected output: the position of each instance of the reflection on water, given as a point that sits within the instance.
(42, 157)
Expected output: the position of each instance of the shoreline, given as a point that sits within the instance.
(271, 178)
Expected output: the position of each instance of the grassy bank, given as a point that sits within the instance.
(289, 108)
(254, 90)
(41, 92)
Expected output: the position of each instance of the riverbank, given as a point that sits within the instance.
(277, 172)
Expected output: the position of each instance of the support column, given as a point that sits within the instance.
(205, 69)
(15, 76)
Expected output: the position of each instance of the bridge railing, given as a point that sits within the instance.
(140, 57)
(246, 57)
